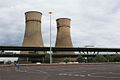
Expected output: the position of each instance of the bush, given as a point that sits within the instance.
(47, 58)
(109, 58)
(91, 59)
(80, 59)
(66, 60)
(8, 62)
(100, 58)
(116, 58)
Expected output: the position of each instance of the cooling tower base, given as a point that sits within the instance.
(32, 52)
(63, 52)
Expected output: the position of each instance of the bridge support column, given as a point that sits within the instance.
(2, 51)
(116, 52)
(97, 52)
(87, 52)
(80, 52)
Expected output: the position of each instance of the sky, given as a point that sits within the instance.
(93, 22)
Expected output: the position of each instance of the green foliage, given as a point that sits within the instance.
(80, 59)
(91, 59)
(47, 58)
(64, 55)
(66, 60)
(8, 62)
(100, 58)
(109, 58)
(116, 58)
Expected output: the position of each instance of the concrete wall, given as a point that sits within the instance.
(33, 35)
(63, 35)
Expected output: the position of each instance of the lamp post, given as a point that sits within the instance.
(50, 13)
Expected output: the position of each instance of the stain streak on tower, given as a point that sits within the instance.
(33, 36)
(63, 35)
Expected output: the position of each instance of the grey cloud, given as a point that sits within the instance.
(93, 22)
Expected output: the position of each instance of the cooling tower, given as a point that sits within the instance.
(63, 35)
(33, 35)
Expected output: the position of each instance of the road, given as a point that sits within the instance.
(69, 72)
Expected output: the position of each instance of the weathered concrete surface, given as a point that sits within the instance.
(63, 72)
(33, 35)
(63, 35)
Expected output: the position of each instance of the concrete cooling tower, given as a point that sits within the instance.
(33, 35)
(63, 35)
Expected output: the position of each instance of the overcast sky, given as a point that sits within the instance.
(93, 22)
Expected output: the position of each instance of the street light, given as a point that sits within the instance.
(50, 13)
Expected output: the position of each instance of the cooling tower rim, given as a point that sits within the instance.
(62, 18)
(33, 12)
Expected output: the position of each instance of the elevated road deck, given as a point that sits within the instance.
(80, 49)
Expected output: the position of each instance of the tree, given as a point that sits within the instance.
(109, 58)
(47, 58)
(91, 59)
(100, 58)
(66, 60)
(116, 58)
(80, 59)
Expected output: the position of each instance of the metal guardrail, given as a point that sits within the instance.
(80, 49)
